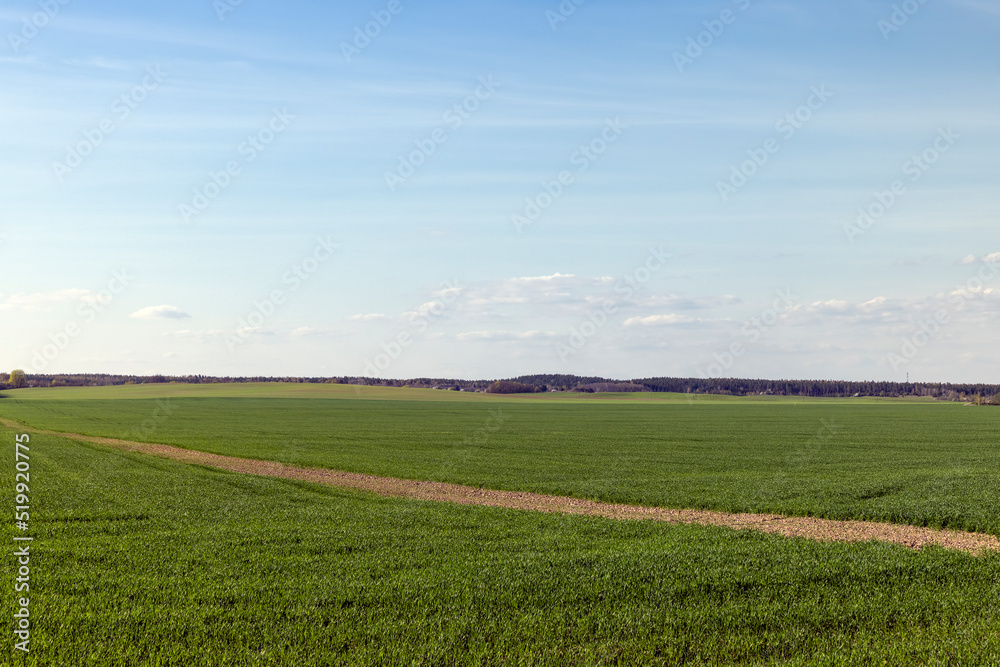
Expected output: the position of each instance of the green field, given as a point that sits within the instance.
(140, 560)
(922, 463)
(335, 391)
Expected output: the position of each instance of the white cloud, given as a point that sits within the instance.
(972, 259)
(427, 310)
(567, 295)
(877, 310)
(507, 335)
(198, 335)
(160, 313)
(877, 302)
(677, 302)
(659, 320)
(253, 331)
(543, 293)
(543, 279)
(831, 306)
(40, 300)
(369, 317)
(448, 293)
(881, 304)
(499, 300)
(315, 332)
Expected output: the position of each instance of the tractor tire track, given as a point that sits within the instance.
(789, 526)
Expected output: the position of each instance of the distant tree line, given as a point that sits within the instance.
(557, 382)
(819, 388)
(511, 387)
(618, 387)
(988, 394)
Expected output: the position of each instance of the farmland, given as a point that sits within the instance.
(922, 463)
(252, 570)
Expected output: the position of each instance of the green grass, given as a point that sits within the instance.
(143, 561)
(241, 390)
(922, 463)
(336, 391)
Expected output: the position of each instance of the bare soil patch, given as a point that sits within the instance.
(808, 527)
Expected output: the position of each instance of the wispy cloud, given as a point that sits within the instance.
(254, 331)
(315, 332)
(972, 259)
(502, 336)
(677, 302)
(44, 300)
(210, 334)
(160, 313)
(543, 279)
(424, 310)
(988, 6)
(669, 319)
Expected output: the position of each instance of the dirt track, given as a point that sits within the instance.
(808, 527)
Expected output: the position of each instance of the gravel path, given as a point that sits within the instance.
(808, 527)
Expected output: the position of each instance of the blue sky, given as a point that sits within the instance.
(189, 189)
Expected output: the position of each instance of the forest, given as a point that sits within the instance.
(981, 393)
